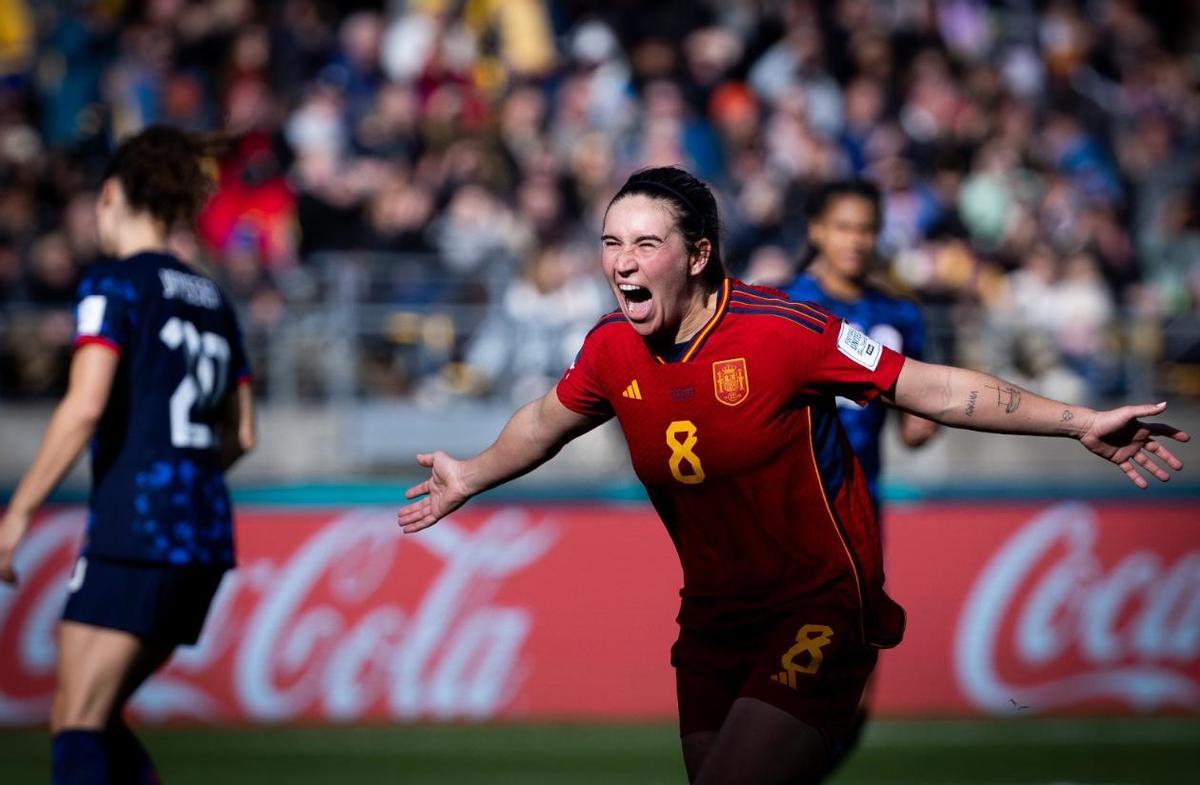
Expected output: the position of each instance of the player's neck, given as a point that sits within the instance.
(837, 286)
(140, 234)
(702, 308)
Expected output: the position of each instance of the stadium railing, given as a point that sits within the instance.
(376, 326)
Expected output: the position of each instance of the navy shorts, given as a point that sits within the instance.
(155, 602)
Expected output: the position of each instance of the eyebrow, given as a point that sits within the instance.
(638, 239)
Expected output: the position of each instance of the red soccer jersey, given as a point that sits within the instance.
(739, 446)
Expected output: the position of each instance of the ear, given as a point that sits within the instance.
(110, 192)
(816, 230)
(698, 260)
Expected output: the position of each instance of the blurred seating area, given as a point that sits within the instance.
(409, 200)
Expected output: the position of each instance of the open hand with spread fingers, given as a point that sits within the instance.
(443, 493)
(1117, 435)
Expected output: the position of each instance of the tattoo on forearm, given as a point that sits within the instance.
(1067, 416)
(971, 399)
(1008, 397)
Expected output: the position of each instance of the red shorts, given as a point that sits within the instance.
(813, 664)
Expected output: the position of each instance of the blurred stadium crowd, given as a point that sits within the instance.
(1039, 162)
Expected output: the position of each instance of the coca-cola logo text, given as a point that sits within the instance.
(315, 632)
(1049, 624)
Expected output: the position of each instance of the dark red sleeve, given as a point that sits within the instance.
(844, 361)
(581, 388)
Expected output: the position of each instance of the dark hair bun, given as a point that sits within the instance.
(161, 173)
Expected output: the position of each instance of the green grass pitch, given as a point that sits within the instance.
(1001, 752)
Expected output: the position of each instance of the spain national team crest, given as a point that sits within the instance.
(731, 382)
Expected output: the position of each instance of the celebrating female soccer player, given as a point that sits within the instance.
(725, 393)
(158, 356)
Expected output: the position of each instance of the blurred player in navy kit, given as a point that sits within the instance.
(843, 233)
(844, 222)
(159, 385)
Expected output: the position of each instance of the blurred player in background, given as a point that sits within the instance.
(159, 386)
(725, 393)
(843, 232)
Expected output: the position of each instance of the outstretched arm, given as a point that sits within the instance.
(974, 400)
(71, 426)
(531, 437)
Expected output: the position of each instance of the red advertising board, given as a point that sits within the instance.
(1062, 608)
(548, 612)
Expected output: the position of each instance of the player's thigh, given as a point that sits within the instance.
(121, 622)
(764, 745)
(696, 747)
(95, 667)
(153, 656)
(709, 673)
(704, 701)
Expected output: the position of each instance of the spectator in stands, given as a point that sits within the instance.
(535, 329)
(478, 130)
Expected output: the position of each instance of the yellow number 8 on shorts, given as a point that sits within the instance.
(809, 640)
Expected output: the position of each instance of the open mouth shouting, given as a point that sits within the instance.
(636, 301)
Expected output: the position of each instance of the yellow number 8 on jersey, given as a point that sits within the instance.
(681, 450)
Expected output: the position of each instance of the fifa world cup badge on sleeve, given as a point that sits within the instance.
(731, 382)
(858, 347)
(89, 315)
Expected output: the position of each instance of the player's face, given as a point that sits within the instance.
(647, 264)
(845, 235)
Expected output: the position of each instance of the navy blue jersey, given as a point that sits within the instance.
(158, 492)
(895, 323)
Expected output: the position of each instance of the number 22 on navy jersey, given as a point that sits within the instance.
(158, 491)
